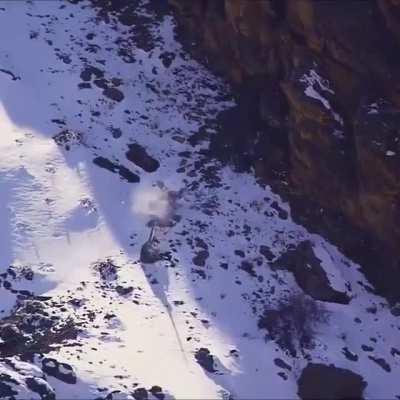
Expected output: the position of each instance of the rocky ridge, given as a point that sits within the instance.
(318, 112)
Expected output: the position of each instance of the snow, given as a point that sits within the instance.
(315, 84)
(61, 214)
(373, 108)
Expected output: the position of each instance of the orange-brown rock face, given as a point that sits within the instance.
(325, 84)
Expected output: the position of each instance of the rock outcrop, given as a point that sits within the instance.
(318, 107)
(318, 381)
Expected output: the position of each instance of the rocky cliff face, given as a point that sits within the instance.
(319, 105)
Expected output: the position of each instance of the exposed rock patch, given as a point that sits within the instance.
(113, 94)
(123, 172)
(205, 359)
(309, 274)
(139, 156)
(58, 370)
(318, 381)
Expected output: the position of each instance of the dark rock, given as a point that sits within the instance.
(205, 359)
(201, 243)
(11, 74)
(113, 94)
(157, 392)
(349, 355)
(123, 172)
(224, 265)
(84, 85)
(139, 156)
(395, 310)
(283, 214)
(267, 253)
(367, 348)
(240, 253)
(318, 381)
(292, 323)
(89, 72)
(101, 83)
(116, 132)
(283, 375)
(200, 258)
(67, 138)
(41, 387)
(140, 394)
(12, 337)
(309, 274)
(107, 269)
(149, 253)
(7, 285)
(248, 267)
(123, 291)
(395, 352)
(6, 391)
(167, 58)
(381, 362)
(61, 371)
(281, 364)
(199, 272)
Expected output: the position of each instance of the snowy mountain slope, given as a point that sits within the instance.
(76, 90)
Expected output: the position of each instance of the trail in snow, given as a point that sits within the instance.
(74, 214)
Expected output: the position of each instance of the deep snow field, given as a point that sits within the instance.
(82, 316)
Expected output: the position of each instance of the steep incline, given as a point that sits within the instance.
(105, 123)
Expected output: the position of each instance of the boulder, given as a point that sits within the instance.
(309, 273)
(327, 382)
